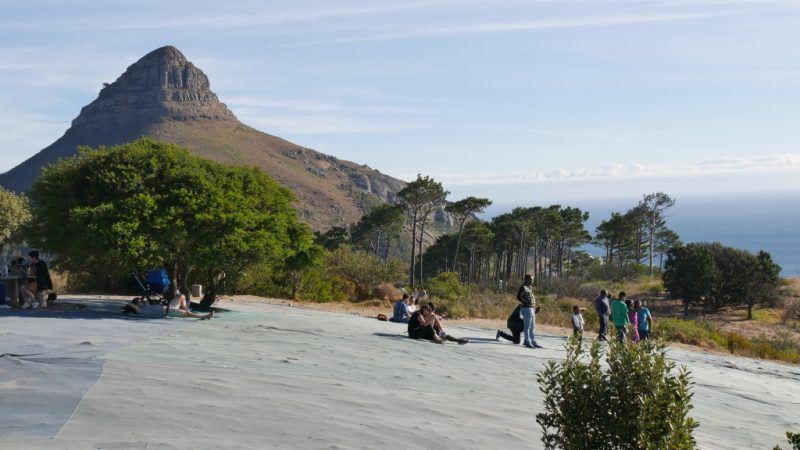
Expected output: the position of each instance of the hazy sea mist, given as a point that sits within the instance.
(764, 221)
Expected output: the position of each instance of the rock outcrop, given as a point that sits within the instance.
(162, 85)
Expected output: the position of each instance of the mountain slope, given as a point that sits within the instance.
(165, 96)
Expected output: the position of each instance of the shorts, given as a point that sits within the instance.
(644, 334)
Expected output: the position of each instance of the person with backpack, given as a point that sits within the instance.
(515, 324)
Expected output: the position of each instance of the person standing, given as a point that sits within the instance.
(645, 319)
(577, 322)
(633, 319)
(527, 302)
(603, 310)
(42, 278)
(619, 315)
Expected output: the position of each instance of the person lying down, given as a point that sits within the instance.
(177, 308)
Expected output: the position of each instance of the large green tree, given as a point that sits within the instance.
(14, 215)
(715, 276)
(138, 205)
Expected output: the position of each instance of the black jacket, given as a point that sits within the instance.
(43, 281)
(515, 322)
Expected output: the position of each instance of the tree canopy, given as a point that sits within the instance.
(14, 214)
(713, 276)
(138, 205)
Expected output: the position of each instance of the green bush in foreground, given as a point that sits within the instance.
(637, 401)
(794, 439)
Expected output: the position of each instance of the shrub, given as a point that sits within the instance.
(316, 286)
(446, 285)
(637, 401)
(362, 270)
(387, 292)
(792, 311)
(794, 440)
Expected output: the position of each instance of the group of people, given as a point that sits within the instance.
(34, 276)
(632, 319)
(407, 305)
(422, 320)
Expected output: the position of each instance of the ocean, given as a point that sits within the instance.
(763, 221)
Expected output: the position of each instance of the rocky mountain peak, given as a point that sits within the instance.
(162, 85)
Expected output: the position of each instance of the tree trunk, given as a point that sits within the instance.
(413, 248)
(458, 244)
(421, 238)
(386, 252)
(652, 239)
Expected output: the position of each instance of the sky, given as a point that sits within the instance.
(520, 101)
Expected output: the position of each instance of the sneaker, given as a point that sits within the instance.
(528, 345)
(463, 341)
(25, 305)
(535, 345)
(497, 336)
(35, 305)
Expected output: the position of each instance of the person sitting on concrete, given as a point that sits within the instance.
(27, 284)
(421, 325)
(425, 324)
(401, 313)
(138, 306)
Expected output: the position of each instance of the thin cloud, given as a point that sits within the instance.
(527, 25)
(319, 124)
(317, 106)
(707, 167)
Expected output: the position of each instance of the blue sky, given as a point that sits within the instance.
(520, 101)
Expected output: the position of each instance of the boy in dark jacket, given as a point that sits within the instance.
(42, 275)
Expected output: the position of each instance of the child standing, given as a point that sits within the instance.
(577, 322)
(645, 319)
(633, 317)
